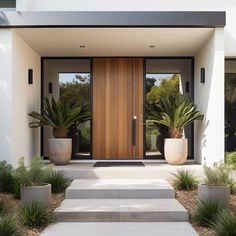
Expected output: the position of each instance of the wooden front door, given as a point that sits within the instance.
(117, 101)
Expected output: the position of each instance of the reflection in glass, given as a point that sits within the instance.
(75, 89)
(157, 86)
(230, 112)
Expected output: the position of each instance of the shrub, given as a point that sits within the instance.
(219, 174)
(35, 214)
(58, 181)
(6, 177)
(231, 181)
(8, 226)
(16, 189)
(230, 159)
(225, 224)
(206, 211)
(2, 206)
(33, 176)
(185, 179)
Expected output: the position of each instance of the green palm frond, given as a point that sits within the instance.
(59, 115)
(174, 112)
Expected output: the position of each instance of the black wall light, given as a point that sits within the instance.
(30, 76)
(187, 87)
(50, 88)
(202, 75)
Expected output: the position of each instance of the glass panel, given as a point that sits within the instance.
(230, 112)
(157, 86)
(75, 89)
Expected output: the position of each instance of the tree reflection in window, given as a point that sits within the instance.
(75, 89)
(157, 86)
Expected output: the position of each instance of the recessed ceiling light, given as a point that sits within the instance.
(82, 46)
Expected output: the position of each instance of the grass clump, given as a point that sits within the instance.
(206, 211)
(225, 224)
(185, 179)
(217, 175)
(2, 207)
(57, 180)
(6, 177)
(34, 175)
(35, 214)
(220, 175)
(9, 227)
(230, 159)
(231, 181)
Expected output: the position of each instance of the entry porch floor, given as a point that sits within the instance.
(152, 169)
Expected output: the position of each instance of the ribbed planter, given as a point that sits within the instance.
(176, 150)
(41, 193)
(220, 193)
(60, 150)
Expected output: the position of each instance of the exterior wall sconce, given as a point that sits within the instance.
(50, 88)
(30, 76)
(187, 87)
(202, 75)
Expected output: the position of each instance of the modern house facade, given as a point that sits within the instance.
(115, 55)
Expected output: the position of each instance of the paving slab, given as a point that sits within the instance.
(120, 229)
(120, 188)
(121, 210)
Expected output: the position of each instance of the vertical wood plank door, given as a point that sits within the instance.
(117, 98)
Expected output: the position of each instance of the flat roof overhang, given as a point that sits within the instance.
(47, 19)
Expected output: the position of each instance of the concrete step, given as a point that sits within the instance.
(120, 229)
(121, 210)
(120, 188)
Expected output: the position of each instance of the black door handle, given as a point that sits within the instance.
(134, 130)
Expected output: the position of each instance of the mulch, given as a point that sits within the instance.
(188, 199)
(13, 205)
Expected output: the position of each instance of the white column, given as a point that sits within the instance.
(209, 97)
(25, 98)
(5, 91)
(18, 98)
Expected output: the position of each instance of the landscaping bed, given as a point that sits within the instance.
(13, 207)
(209, 217)
(188, 199)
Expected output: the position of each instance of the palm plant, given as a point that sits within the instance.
(60, 116)
(174, 112)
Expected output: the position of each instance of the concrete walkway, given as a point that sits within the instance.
(120, 207)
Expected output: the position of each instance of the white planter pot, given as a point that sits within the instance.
(41, 193)
(176, 150)
(220, 193)
(60, 150)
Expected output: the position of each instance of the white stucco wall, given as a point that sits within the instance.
(209, 97)
(5, 91)
(143, 5)
(25, 98)
(17, 98)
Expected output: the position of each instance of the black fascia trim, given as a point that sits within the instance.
(139, 19)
